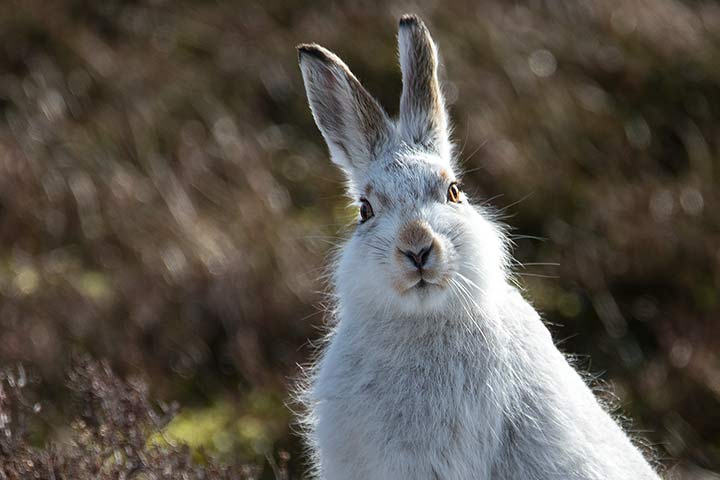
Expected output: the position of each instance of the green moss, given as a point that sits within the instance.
(227, 429)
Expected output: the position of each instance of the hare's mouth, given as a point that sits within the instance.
(423, 285)
(420, 284)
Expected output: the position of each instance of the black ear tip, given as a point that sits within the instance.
(410, 20)
(311, 50)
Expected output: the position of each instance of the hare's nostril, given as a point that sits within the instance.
(425, 254)
(420, 258)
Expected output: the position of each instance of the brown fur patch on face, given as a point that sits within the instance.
(400, 286)
(415, 235)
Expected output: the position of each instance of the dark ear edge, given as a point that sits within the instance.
(316, 51)
(409, 19)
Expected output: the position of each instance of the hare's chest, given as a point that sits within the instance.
(426, 404)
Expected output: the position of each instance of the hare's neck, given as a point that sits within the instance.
(476, 327)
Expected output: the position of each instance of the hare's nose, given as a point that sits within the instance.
(419, 258)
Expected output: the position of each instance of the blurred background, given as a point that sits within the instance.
(167, 203)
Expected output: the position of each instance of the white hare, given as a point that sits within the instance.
(436, 368)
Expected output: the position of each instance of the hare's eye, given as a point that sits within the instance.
(366, 211)
(453, 193)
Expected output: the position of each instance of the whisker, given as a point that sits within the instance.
(494, 197)
(517, 202)
(528, 237)
(534, 264)
(526, 274)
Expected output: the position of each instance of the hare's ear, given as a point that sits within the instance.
(354, 125)
(423, 119)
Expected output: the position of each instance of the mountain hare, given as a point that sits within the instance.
(436, 368)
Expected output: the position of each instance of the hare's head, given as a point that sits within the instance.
(419, 243)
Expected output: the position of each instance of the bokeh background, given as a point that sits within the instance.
(167, 203)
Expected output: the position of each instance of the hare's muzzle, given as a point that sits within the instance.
(418, 254)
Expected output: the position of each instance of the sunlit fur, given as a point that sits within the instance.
(459, 378)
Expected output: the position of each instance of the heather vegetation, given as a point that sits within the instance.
(167, 206)
(116, 432)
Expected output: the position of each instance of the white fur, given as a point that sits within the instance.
(457, 380)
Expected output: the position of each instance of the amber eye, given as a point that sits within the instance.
(366, 211)
(453, 194)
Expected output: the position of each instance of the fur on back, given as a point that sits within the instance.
(435, 367)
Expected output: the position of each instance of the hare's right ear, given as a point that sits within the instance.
(423, 117)
(354, 125)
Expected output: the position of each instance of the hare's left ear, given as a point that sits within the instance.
(423, 118)
(356, 128)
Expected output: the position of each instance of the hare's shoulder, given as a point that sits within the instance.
(521, 318)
